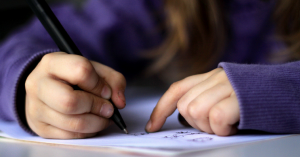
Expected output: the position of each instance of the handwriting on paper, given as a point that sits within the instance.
(140, 133)
(184, 135)
(201, 139)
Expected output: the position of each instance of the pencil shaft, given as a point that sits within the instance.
(53, 26)
(63, 41)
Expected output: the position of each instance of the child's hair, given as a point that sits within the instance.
(287, 18)
(196, 36)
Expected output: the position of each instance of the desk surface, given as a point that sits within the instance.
(287, 146)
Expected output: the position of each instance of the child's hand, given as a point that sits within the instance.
(206, 101)
(55, 110)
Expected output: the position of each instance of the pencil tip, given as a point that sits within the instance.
(126, 131)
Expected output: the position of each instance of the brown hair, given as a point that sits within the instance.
(195, 38)
(287, 18)
(196, 35)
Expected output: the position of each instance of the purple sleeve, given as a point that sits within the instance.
(19, 55)
(268, 95)
(110, 32)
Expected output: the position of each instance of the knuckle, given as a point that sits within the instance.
(83, 70)
(97, 105)
(175, 87)
(47, 58)
(219, 76)
(48, 61)
(193, 112)
(118, 76)
(202, 112)
(29, 84)
(69, 103)
(181, 108)
(77, 124)
(217, 116)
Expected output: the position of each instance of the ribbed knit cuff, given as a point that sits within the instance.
(19, 89)
(268, 95)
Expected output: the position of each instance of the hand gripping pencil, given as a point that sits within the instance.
(64, 42)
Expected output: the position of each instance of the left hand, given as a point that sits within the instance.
(207, 102)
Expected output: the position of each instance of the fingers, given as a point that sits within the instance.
(224, 116)
(207, 102)
(51, 132)
(51, 100)
(90, 76)
(76, 70)
(81, 123)
(116, 81)
(48, 131)
(186, 108)
(69, 101)
(168, 102)
(197, 90)
(198, 109)
(183, 121)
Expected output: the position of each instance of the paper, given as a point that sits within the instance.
(173, 138)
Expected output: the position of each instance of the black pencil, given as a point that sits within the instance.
(64, 42)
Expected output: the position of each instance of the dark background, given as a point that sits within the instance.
(14, 13)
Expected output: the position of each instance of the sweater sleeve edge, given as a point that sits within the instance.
(19, 92)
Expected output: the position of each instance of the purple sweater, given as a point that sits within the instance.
(115, 32)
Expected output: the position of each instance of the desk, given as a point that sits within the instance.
(286, 146)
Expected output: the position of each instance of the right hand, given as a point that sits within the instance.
(55, 110)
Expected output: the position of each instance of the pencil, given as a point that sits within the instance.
(64, 42)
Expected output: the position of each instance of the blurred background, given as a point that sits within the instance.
(14, 13)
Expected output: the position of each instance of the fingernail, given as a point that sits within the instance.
(148, 126)
(106, 92)
(106, 110)
(122, 96)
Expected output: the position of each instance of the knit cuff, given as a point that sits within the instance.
(19, 89)
(268, 95)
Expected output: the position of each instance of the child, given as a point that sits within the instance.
(173, 39)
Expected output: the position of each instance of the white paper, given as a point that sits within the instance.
(173, 137)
